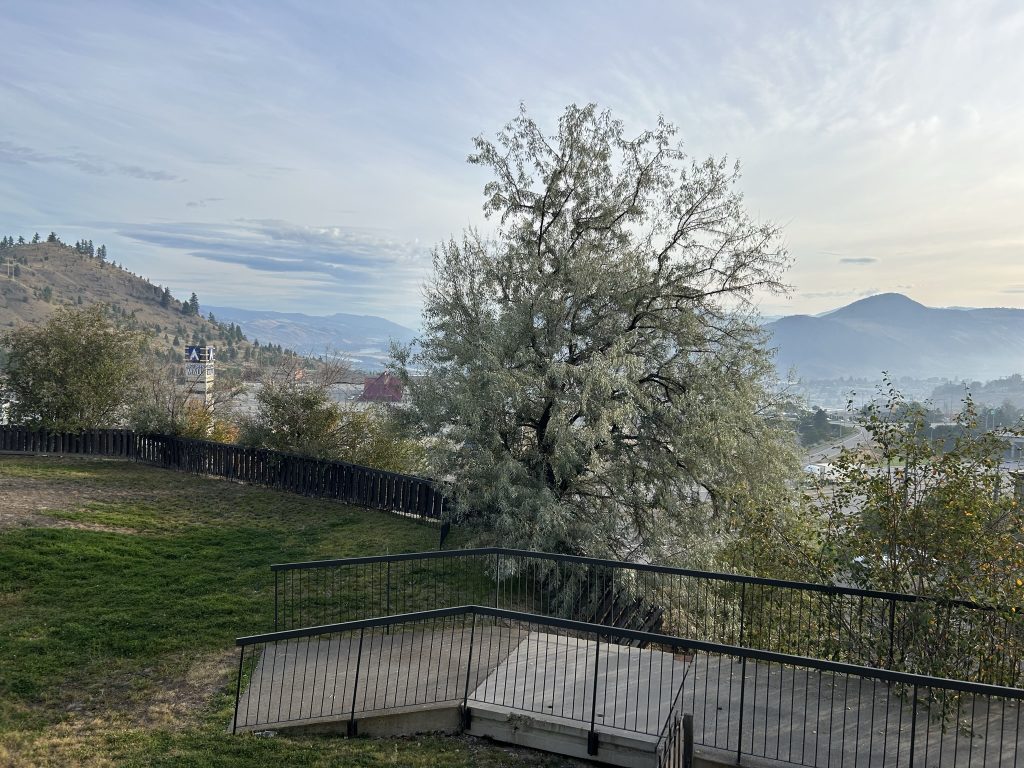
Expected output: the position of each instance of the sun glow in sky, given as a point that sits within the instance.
(307, 156)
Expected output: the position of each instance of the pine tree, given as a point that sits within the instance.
(193, 303)
(165, 298)
(52, 238)
(35, 238)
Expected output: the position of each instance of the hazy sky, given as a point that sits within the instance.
(307, 156)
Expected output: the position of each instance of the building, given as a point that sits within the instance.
(384, 388)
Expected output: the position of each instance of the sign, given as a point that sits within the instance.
(199, 372)
(200, 354)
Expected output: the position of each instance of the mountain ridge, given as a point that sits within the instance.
(363, 339)
(892, 332)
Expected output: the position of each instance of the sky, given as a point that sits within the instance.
(308, 156)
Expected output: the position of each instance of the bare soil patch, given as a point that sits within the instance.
(25, 501)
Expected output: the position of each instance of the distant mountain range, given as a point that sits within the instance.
(890, 332)
(364, 339)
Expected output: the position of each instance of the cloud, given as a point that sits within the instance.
(345, 256)
(17, 154)
(859, 260)
(202, 202)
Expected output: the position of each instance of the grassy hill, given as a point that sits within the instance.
(36, 278)
(122, 588)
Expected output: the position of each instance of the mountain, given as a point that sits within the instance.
(37, 278)
(364, 339)
(890, 332)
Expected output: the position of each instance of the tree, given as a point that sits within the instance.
(76, 371)
(917, 515)
(52, 238)
(295, 413)
(35, 238)
(166, 405)
(595, 368)
(101, 253)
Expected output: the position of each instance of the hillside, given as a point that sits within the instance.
(37, 278)
(890, 332)
(363, 339)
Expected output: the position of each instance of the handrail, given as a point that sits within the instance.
(651, 638)
(832, 589)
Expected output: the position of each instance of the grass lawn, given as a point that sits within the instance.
(122, 588)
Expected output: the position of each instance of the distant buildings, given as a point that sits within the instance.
(384, 388)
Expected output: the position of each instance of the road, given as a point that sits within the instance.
(823, 454)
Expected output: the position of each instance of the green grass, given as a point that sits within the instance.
(117, 634)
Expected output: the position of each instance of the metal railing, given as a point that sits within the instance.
(887, 630)
(744, 702)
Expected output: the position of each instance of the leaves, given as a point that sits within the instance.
(592, 374)
(76, 371)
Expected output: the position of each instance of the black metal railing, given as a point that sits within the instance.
(887, 630)
(744, 702)
(351, 483)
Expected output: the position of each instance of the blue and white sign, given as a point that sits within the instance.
(193, 354)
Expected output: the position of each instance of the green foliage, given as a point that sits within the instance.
(917, 515)
(297, 416)
(76, 371)
(593, 376)
(294, 419)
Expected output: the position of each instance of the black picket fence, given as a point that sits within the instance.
(93, 442)
(350, 483)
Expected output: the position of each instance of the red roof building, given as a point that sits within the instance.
(382, 389)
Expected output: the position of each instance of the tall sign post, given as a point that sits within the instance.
(199, 372)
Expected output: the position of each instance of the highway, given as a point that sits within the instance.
(822, 454)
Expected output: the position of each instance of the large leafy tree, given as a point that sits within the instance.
(592, 372)
(933, 516)
(76, 371)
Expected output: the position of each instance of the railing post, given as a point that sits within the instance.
(892, 630)
(238, 690)
(743, 612)
(913, 727)
(464, 715)
(592, 735)
(275, 598)
(743, 699)
(497, 575)
(687, 741)
(355, 686)
(388, 597)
